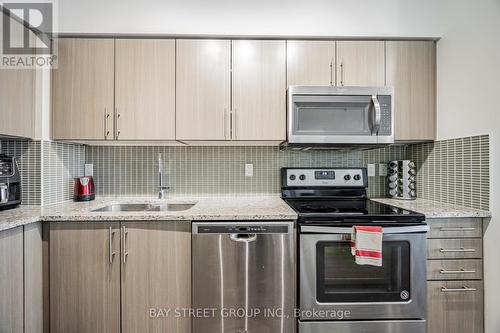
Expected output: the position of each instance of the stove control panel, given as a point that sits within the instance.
(311, 177)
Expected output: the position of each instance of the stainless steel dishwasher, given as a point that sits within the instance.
(244, 277)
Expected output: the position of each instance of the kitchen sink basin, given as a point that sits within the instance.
(168, 207)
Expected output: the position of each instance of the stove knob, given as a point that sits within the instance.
(292, 177)
(357, 177)
(347, 177)
(302, 177)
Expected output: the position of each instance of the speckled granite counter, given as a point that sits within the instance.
(19, 216)
(217, 208)
(433, 209)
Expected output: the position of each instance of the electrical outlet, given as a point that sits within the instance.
(371, 170)
(382, 169)
(248, 170)
(89, 170)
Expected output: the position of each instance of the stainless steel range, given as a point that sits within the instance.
(336, 294)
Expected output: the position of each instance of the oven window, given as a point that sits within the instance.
(340, 279)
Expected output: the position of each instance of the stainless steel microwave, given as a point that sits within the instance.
(340, 116)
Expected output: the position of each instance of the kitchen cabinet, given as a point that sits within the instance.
(35, 281)
(156, 273)
(455, 276)
(360, 63)
(259, 90)
(17, 92)
(203, 89)
(145, 89)
(104, 276)
(84, 277)
(411, 70)
(82, 89)
(11, 281)
(310, 63)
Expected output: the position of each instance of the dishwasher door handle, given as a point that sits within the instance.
(244, 238)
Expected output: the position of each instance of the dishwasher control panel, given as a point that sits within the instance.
(242, 228)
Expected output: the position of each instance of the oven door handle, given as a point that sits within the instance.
(345, 230)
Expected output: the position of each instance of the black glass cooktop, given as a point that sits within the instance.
(334, 211)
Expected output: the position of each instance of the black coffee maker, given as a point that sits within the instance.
(10, 183)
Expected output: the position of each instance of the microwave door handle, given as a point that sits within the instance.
(377, 114)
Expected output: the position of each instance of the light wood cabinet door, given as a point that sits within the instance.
(34, 283)
(360, 63)
(203, 88)
(145, 89)
(310, 63)
(259, 90)
(455, 307)
(84, 277)
(11, 281)
(411, 70)
(156, 275)
(17, 91)
(82, 89)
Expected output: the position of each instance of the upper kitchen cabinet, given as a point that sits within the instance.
(411, 70)
(203, 88)
(145, 89)
(259, 90)
(310, 63)
(17, 92)
(82, 89)
(360, 63)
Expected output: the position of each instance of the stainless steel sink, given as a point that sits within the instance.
(168, 207)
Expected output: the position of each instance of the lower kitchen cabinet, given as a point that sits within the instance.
(156, 274)
(454, 274)
(455, 307)
(11, 281)
(84, 277)
(110, 277)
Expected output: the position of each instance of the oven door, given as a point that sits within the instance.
(331, 281)
(346, 115)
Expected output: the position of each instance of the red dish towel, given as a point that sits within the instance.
(366, 245)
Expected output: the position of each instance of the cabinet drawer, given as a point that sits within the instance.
(455, 228)
(455, 307)
(448, 269)
(455, 248)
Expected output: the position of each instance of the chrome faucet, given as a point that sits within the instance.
(162, 194)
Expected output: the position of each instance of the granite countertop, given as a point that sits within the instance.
(433, 209)
(206, 209)
(19, 216)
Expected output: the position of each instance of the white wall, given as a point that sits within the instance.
(468, 91)
(252, 17)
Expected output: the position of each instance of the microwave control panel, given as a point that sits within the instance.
(386, 111)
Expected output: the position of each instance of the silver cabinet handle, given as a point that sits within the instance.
(457, 250)
(225, 123)
(452, 290)
(378, 114)
(111, 253)
(342, 73)
(457, 229)
(234, 126)
(124, 244)
(331, 72)
(458, 271)
(106, 118)
(117, 115)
